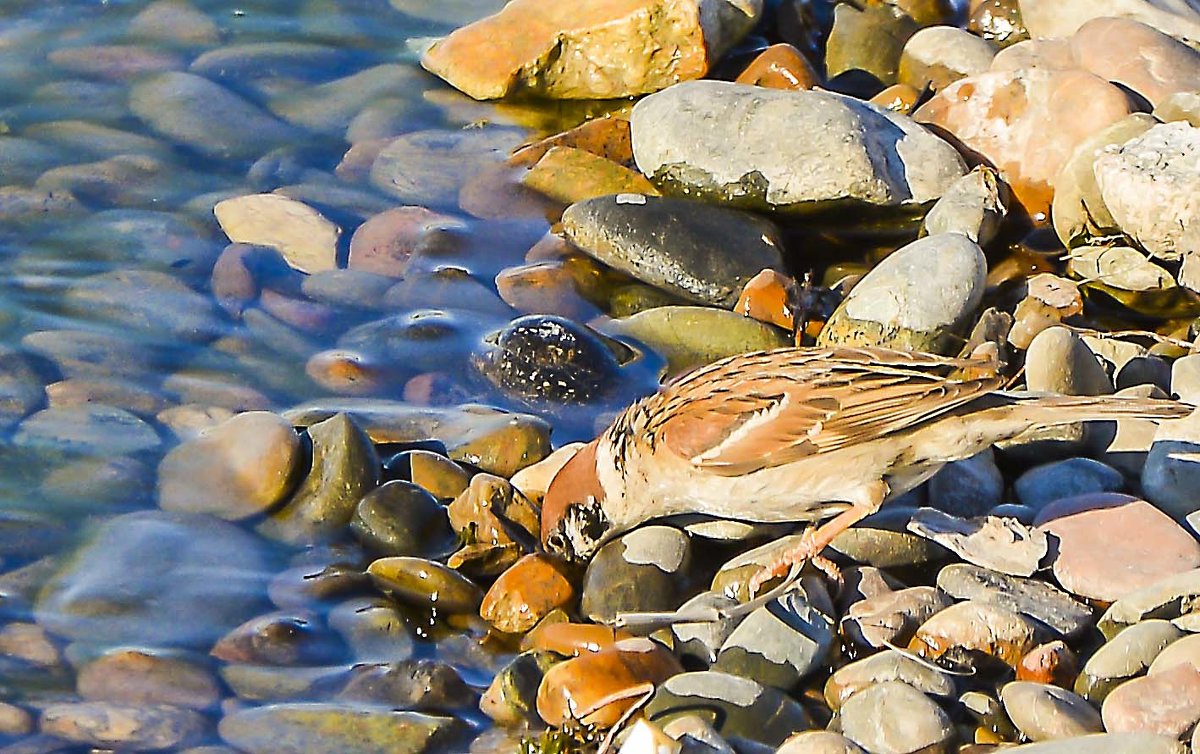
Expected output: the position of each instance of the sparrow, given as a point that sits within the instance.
(799, 435)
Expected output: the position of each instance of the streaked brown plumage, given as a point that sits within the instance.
(798, 435)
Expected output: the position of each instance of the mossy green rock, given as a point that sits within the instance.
(344, 468)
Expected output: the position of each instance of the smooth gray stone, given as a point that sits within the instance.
(894, 718)
(700, 252)
(1067, 478)
(1033, 597)
(205, 116)
(779, 643)
(736, 707)
(722, 141)
(138, 573)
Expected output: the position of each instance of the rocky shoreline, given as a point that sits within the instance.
(298, 324)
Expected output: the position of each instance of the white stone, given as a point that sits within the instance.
(1151, 186)
(787, 149)
(1060, 18)
(305, 238)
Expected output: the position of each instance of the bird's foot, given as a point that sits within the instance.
(790, 561)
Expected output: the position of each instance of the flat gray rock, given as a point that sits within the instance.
(1033, 597)
(699, 252)
(795, 151)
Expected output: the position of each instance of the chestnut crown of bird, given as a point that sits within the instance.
(799, 435)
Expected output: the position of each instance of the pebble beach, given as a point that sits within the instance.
(304, 303)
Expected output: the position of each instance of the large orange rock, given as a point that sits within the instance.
(595, 49)
(1026, 122)
(598, 688)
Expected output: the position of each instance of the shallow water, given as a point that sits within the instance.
(158, 337)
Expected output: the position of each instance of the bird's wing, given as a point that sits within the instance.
(752, 412)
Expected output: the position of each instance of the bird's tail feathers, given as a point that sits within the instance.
(1050, 409)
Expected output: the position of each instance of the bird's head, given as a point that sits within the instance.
(574, 523)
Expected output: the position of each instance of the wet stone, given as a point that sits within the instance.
(780, 66)
(1031, 597)
(373, 628)
(430, 167)
(148, 303)
(118, 480)
(917, 298)
(329, 107)
(344, 469)
(138, 677)
(595, 51)
(1042, 712)
(885, 666)
(20, 388)
(138, 572)
(894, 718)
(307, 586)
(280, 638)
(511, 698)
(426, 584)
(81, 353)
(401, 518)
(422, 685)
(330, 728)
(239, 468)
(734, 706)
(206, 116)
(692, 336)
(638, 572)
(123, 726)
(1090, 562)
(568, 175)
(577, 689)
(234, 63)
(867, 43)
(281, 683)
(437, 474)
(974, 205)
(495, 522)
(386, 242)
(779, 643)
(305, 238)
(93, 429)
(525, 593)
(1127, 655)
(701, 253)
(539, 359)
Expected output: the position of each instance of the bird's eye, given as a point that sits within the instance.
(556, 542)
